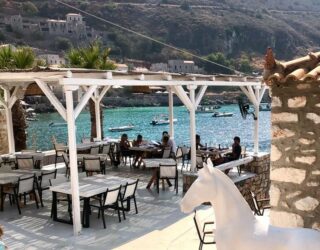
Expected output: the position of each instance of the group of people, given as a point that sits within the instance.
(125, 144)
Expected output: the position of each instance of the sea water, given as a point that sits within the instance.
(213, 130)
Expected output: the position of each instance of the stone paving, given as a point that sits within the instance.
(158, 225)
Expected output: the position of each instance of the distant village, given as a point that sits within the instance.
(75, 27)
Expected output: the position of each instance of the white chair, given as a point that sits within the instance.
(92, 165)
(168, 172)
(166, 153)
(129, 194)
(25, 162)
(110, 199)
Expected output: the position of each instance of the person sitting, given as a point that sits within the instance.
(125, 146)
(138, 155)
(170, 142)
(232, 156)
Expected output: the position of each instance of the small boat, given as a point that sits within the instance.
(161, 120)
(122, 128)
(31, 119)
(207, 109)
(265, 107)
(222, 114)
(57, 124)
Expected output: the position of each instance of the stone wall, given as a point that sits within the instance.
(4, 148)
(256, 178)
(295, 155)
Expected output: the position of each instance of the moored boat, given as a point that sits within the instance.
(222, 114)
(162, 120)
(207, 109)
(57, 124)
(121, 128)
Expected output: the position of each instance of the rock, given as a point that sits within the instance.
(306, 204)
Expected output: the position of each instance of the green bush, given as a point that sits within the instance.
(62, 43)
(29, 8)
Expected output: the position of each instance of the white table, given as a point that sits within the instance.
(88, 187)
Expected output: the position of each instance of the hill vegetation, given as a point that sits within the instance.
(239, 29)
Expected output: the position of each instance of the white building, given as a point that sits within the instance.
(181, 66)
(15, 22)
(159, 67)
(53, 59)
(57, 27)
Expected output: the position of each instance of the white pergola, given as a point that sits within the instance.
(95, 84)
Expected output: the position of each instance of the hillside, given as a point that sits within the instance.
(233, 27)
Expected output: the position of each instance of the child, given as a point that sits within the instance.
(2, 245)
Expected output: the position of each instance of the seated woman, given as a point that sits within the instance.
(138, 158)
(124, 146)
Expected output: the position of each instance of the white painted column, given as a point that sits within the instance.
(171, 117)
(8, 112)
(97, 111)
(256, 122)
(73, 160)
(192, 112)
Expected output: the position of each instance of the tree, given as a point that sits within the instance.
(62, 43)
(92, 57)
(220, 59)
(21, 58)
(29, 8)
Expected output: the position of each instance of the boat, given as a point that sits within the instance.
(32, 119)
(57, 124)
(222, 114)
(161, 120)
(265, 107)
(207, 109)
(121, 128)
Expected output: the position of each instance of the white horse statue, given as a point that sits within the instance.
(236, 226)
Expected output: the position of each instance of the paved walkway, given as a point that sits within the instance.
(158, 225)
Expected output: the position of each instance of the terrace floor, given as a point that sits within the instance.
(159, 224)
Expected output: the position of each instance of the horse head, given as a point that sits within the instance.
(202, 190)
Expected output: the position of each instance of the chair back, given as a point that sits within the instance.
(185, 150)
(112, 196)
(179, 153)
(166, 153)
(65, 159)
(46, 177)
(26, 184)
(25, 162)
(168, 171)
(92, 164)
(94, 150)
(106, 148)
(199, 161)
(130, 189)
(59, 147)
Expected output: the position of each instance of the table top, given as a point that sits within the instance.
(93, 185)
(35, 155)
(155, 162)
(12, 176)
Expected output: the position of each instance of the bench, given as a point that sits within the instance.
(230, 165)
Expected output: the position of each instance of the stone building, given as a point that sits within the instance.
(159, 67)
(295, 158)
(15, 22)
(53, 59)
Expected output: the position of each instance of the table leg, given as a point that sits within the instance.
(2, 198)
(86, 212)
(54, 206)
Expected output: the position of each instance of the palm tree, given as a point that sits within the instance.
(92, 57)
(21, 58)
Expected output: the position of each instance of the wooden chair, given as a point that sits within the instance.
(109, 200)
(128, 194)
(24, 186)
(44, 182)
(168, 172)
(258, 207)
(203, 231)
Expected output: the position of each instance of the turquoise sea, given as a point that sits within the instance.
(213, 131)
